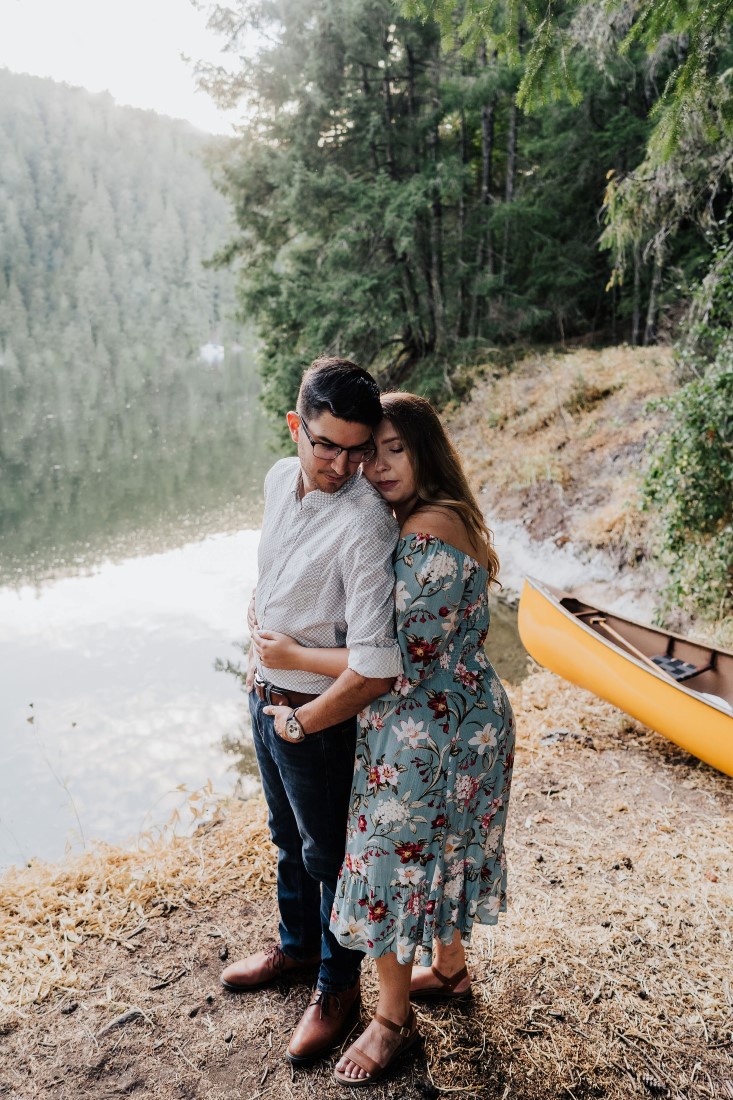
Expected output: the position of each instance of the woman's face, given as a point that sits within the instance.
(390, 471)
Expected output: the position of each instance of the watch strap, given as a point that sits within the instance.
(293, 714)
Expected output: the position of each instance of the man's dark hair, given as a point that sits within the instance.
(342, 388)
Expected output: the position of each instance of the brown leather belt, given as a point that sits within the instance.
(278, 698)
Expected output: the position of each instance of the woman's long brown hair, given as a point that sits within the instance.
(439, 476)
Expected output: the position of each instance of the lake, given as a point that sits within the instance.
(122, 584)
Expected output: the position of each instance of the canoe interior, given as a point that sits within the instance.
(716, 680)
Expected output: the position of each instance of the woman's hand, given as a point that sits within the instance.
(279, 717)
(249, 679)
(251, 616)
(277, 650)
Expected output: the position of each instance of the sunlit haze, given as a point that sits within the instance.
(133, 49)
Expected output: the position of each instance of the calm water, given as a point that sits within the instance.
(124, 577)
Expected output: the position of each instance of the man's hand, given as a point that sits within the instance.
(279, 716)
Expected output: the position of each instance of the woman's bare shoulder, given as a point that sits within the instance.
(433, 520)
(444, 524)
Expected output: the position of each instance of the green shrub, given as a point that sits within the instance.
(690, 482)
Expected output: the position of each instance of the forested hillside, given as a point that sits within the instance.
(395, 202)
(107, 215)
(421, 183)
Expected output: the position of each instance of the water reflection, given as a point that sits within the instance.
(109, 697)
(130, 472)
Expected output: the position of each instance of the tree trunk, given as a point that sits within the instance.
(485, 246)
(462, 218)
(366, 92)
(388, 117)
(436, 217)
(487, 157)
(415, 338)
(635, 312)
(511, 171)
(650, 328)
(412, 108)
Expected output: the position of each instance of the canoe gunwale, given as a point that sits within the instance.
(556, 596)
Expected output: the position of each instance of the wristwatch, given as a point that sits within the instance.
(293, 729)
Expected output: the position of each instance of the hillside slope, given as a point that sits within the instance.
(557, 447)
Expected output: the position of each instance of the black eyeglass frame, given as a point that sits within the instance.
(366, 452)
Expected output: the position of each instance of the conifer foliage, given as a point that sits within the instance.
(393, 202)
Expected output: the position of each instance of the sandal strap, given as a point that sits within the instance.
(450, 983)
(363, 1061)
(405, 1030)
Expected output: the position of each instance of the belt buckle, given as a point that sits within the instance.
(266, 688)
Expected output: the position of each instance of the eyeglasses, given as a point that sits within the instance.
(355, 455)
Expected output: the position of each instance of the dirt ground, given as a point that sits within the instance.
(609, 977)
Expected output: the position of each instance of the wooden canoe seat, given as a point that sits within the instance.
(682, 670)
(677, 669)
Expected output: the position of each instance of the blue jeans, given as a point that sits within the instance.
(307, 787)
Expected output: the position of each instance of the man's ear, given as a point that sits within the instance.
(293, 424)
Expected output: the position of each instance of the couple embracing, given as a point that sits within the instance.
(398, 855)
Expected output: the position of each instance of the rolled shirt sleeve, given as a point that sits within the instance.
(368, 575)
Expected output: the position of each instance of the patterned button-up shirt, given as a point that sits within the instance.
(325, 574)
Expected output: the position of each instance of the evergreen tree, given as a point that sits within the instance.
(394, 204)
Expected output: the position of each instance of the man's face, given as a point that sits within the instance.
(329, 474)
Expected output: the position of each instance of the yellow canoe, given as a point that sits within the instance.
(680, 688)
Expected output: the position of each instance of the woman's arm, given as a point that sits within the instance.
(279, 651)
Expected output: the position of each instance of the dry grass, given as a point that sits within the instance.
(610, 976)
(560, 442)
(108, 895)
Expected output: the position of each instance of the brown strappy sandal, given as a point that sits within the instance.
(446, 990)
(409, 1035)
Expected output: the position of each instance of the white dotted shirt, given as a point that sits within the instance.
(326, 576)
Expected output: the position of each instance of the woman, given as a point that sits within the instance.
(425, 856)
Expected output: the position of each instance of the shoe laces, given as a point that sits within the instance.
(276, 957)
(326, 1003)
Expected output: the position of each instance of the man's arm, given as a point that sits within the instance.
(279, 651)
(345, 698)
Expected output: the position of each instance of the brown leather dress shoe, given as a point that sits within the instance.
(262, 968)
(326, 1022)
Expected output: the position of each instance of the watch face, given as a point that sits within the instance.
(294, 729)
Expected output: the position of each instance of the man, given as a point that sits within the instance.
(325, 578)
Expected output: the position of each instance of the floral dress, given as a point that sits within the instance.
(425, 842)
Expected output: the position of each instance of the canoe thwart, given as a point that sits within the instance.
(674, 667)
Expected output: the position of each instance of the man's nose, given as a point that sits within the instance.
(340, 463)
